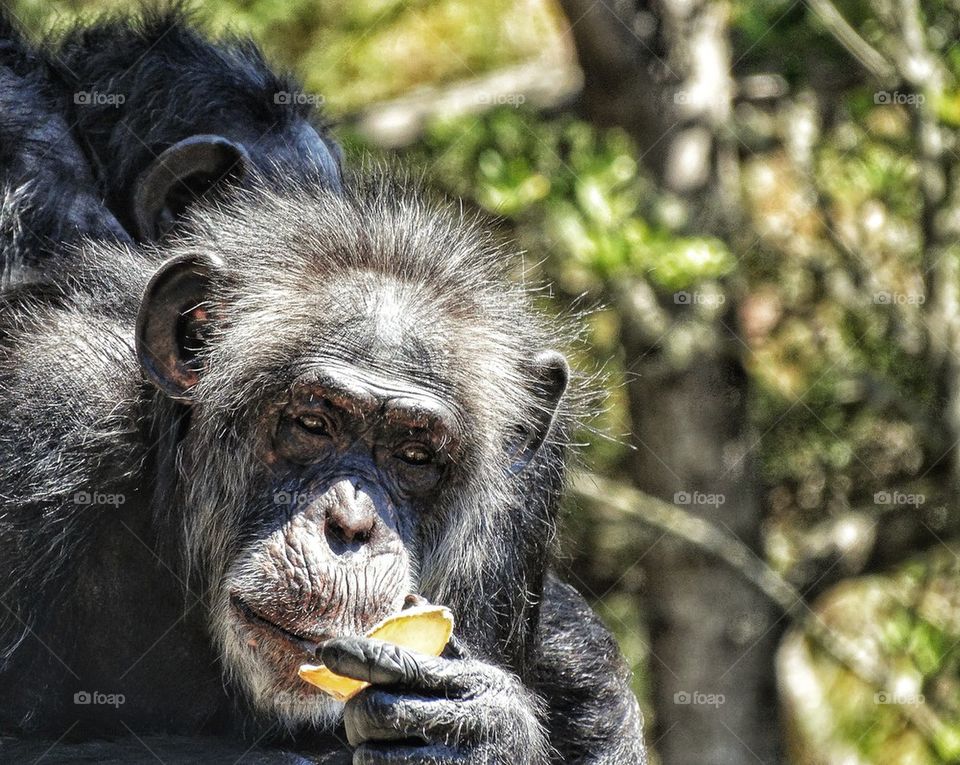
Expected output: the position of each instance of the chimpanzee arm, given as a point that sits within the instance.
(593, 716)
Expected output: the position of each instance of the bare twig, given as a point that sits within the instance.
(869, 58)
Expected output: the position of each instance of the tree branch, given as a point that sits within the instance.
(622, 500)
(870, 59)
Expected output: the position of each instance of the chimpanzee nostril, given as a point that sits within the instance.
(352, 516)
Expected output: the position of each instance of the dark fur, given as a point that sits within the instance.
(48, 195)
(68, 169)
(176, 83)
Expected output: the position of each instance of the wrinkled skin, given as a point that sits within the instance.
(422, 709)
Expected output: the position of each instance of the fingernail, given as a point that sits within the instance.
(415, 600)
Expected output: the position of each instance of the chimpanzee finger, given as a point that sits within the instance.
(455, 649)
(382, 714)
(381, 663)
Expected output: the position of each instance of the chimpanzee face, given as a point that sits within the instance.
(347, 433)
(356, 460)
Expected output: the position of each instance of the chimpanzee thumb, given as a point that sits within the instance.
(376, 661)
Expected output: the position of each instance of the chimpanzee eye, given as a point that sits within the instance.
(415, 454)
(314, 424)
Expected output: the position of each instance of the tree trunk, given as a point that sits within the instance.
(662, 70)
(714, 635)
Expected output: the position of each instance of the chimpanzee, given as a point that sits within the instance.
(39, 158)
(227, 454)
(164, 113)
(349, 403)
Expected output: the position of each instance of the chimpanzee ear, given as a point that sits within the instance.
(173, 322)
(549, 374)
(180, 175)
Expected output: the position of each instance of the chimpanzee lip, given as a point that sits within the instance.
(308, 644)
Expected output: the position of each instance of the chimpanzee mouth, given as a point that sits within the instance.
(309, 644)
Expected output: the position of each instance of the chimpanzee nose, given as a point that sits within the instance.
(351, 515)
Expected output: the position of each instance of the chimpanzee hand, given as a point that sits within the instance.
(431, 711)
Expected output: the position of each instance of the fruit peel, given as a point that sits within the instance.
(424, 629)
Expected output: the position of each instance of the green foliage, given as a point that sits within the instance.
(578, 187)
(870, 171)
(354, 52)
(904, 622)
(787, 33)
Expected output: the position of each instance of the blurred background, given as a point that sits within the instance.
(756, 203)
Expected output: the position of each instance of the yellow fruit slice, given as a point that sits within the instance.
(424, 629)
(341, 688)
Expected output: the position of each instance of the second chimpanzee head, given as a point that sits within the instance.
(165, 114)
(360, 405)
